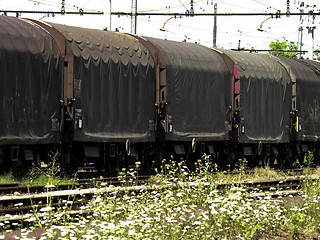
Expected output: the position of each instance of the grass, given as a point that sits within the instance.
(36, 176)
(198, 211)
(7, 178)
(43, 180)
(39, 179)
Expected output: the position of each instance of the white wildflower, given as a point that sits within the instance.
(46, 209)
(110, 226)
(126, 223)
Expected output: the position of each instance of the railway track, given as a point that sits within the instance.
(62, 195)
(15, 189)
(16, 199)
(18, 203)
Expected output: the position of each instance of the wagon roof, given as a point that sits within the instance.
(104, 45)
(21, 35)
(189, 56)
(258, 66)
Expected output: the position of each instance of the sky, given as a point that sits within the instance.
(230, 29)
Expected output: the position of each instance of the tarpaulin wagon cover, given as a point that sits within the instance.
(198, 91)
(306, 75)
(114, 85)
(30, 79)
(265, 98)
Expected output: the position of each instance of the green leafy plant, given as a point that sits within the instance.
(180, 205)
(279, 48)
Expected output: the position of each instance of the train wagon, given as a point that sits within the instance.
(262, 105)
(30, 78)
(108, 100)
(109, 92)
(194, 97)
(305, 131)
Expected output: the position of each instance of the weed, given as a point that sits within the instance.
(7, 178)
(189, 207)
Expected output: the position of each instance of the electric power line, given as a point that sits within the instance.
(183, 4)
(51, 12)
(277, 14)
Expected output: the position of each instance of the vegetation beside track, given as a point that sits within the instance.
(200, 211)
(37, 177)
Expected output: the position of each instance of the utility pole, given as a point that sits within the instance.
(309, 18)
(191, 8)
(311, 42)
(300, 30)
(134, 6)
(63, 9)
(215, 27)
(300, 40)
(110, 17)
(311, 27)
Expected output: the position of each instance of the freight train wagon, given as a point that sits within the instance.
(113, 99)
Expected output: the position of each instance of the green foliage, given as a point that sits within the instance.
(7, 178)
(308, 159)
(317, 54)
(266, 173)
(181, 205)
(278, 48)
(37, 176)
(50, 175)
(41, 179)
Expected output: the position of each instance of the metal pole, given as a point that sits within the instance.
(135, 17)
(134, 6)
(311, 42)
(311, 29)
(301, 30)
(215, 27)
(300, 40)
(110, 16)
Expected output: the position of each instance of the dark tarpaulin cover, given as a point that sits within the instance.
(30, 78)
(265, 98)
(114, 80)
(307, 76)
(197, 91)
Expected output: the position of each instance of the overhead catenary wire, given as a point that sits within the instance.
(58, 5)
(213, 14)
(262, 3)
(220, 39)
(256, 8)
(183, 4)
(239, 6)
(52, 12)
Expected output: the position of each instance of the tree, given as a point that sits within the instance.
(279, 48)
(317, 54)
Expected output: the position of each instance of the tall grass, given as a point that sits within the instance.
(189, 207)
